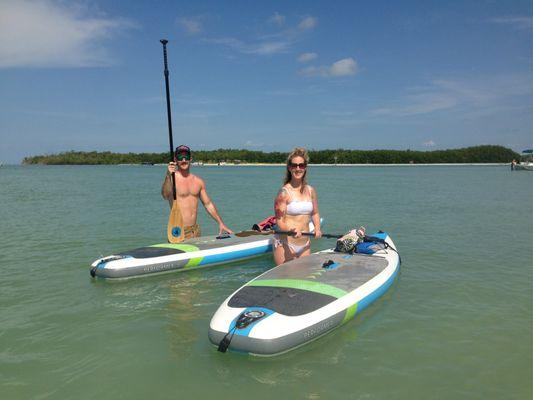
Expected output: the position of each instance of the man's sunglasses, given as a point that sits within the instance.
(181, 157)
(299, 165)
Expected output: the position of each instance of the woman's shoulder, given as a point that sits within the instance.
(310, 189)
(283, 191)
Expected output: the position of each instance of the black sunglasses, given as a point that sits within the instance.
(299, 165)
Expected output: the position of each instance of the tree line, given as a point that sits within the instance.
(476, 154)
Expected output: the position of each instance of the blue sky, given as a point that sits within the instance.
(88, 75)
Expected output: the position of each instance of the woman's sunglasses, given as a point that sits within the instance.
(297, 165)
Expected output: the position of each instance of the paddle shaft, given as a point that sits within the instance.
(330, 236)
(324, 235)
(169, 113)
(291, 233)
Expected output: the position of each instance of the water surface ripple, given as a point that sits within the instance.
(456, 324)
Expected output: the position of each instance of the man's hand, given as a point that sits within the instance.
(223, 228)
(171, 167)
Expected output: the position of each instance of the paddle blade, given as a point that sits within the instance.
(175, 231)
(253, 233)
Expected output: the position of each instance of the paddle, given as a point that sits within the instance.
(175, 232)
(291, 233)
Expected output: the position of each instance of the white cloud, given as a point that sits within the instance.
(251, 143)
(344, 67)
(429, 143)
(280, 41)
(472, 96)
(277, 19)
(198, 100)
(314, 71)
(338, 113)
(51, 34)
(422, 103)
(518, 22)
(306, 57)
(262, 48)
(269, 48)
(307, 23)
(191, 25)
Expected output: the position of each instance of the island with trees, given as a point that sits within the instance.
(468, 155)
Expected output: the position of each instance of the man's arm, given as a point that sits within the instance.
(166, 188)
(211, 208)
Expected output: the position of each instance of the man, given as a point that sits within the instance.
(189, 188)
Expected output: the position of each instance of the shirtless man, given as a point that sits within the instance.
(189, 188)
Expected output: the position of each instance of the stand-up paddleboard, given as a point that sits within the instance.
(190, 254)
(193, 253)
(302, 300)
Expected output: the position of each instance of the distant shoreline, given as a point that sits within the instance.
(485, 154)
(355, 165)
(211, 165)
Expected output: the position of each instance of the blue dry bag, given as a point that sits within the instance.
(369, 247)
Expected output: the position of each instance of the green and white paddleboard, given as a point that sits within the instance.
(302, 300)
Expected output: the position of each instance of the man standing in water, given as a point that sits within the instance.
(189, 188)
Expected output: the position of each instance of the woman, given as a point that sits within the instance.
(296, 204)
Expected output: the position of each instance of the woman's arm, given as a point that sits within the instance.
(315, 217)
(280, 210)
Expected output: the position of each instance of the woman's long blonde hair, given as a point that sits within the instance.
(297, 152)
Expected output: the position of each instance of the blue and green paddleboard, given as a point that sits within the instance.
(303, 299)
(190, 254)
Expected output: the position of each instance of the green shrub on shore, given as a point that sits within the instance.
(477, 154)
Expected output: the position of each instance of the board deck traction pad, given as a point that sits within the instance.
(296, 290)
(307, 284)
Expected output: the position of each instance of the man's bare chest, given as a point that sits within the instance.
(186, 188)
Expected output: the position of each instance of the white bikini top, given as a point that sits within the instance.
(298, 207)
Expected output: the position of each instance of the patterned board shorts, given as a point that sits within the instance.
(192, 231)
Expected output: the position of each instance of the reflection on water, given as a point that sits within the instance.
(182, 311)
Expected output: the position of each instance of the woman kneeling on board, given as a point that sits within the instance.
(296, 203)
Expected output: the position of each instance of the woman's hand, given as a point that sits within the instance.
(318, 233)
(297, 233)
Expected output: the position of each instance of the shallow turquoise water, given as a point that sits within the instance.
(456, 324)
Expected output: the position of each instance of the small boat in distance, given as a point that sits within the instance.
(526, 161)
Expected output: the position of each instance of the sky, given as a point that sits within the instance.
(422, 75)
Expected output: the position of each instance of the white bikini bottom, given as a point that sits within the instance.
(296, 250)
